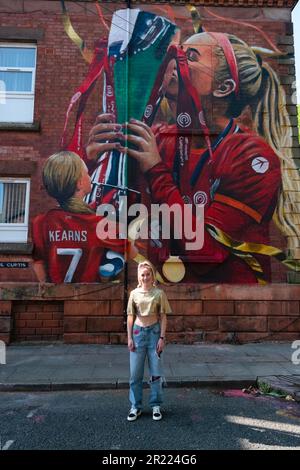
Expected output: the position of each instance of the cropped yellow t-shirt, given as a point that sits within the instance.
(145, 304)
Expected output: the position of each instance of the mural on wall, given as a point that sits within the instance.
(170, 133)
(67, 247)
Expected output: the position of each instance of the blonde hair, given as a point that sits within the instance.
(60, 176)
(260, 88)
(150, 267)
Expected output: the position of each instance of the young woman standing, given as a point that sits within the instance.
(147, 311)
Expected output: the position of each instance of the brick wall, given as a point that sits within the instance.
(91, 321)
(5, 321)
(91, 314)
(37, 321)
(94, 313)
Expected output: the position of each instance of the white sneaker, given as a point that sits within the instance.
(133, 414)
(156, 413)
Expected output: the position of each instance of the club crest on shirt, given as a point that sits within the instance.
(184, 120)
(200, 197)
(260, 164)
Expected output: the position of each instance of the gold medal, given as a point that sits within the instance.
(173, 269)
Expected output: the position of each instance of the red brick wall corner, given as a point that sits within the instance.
(6, 321)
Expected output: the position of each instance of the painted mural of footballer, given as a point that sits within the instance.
(242, 177)
(66, 245)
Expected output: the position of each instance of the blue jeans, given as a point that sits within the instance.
(145, 340)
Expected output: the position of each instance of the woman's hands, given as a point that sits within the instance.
(106, 135)
(142, 137)
(131, 345)
(160, 346)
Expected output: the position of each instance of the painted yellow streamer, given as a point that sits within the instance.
(76, 39)
(245, 250)
(196, 18)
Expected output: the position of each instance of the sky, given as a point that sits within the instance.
(296, 21)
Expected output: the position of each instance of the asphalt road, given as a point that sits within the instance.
(193, 419)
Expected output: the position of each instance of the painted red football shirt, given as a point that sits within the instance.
(239, 188)
(69, 246)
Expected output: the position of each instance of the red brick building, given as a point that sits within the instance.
(31, 123)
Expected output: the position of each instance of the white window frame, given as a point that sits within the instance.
(16, 233)
(21, 95)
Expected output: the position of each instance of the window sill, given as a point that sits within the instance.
(16, 248)
(20, 126)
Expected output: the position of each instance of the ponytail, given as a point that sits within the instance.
(272, 122)
(76, 205)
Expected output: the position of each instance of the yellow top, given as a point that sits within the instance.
(145, 304)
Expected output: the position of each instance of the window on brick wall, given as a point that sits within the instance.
(14, 209)
(17, 82)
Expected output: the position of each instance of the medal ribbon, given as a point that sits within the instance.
(82, 94)
(190, 114)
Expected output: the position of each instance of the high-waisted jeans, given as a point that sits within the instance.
(145, 340)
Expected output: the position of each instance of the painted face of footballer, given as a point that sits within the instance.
(84, 186)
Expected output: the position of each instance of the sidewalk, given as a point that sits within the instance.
(50, 367)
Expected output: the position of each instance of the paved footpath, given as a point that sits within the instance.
(58, 366)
